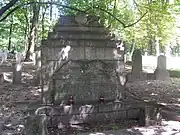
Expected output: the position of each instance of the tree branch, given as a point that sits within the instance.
(137, 5)
(114, 12)
(72, 8)
(122, 23)
(110, 15)
(136, 20)
(41, 3)
(7, 6)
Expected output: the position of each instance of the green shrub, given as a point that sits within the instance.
(174, 73)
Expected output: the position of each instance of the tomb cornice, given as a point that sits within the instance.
(59, 43)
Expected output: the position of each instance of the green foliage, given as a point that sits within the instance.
(159, 22)
(174, 73)
(22, 18)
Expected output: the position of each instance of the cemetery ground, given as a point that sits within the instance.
(15, 100)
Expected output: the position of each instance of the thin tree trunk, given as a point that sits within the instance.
(132, 47)
(157, 46)
(178, 47)
(51, 11)
(150, 47)
(149, 28)
(33, 32)
(43, 24)
(43, 15)
(10, 34)
(26, 31)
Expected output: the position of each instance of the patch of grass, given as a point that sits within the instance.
(115, 127)
(174, 73)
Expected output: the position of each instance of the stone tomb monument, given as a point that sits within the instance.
(81, 60)
(161, 73)
(82, 65)
(83, 68)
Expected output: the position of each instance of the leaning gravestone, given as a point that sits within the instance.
(161, 73)
(1, 78)
(136, 73)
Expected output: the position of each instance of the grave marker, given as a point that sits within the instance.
(17, 73)
(161, 73)
(136, 73)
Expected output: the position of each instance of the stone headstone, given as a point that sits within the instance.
(161, 73)
(38, 59)
(37, 63)
(161, 62)
(136, 73)
(17, 73)
(19, 57)
(1, 78)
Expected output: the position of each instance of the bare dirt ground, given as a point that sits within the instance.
(167, 93)
(15, 99)
(14, 102)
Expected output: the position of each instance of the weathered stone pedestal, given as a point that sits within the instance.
(161, 74)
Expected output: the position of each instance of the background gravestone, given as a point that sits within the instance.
(161, 73)
(17, 73)
(1, 78)
(136, 73)
(161, 63)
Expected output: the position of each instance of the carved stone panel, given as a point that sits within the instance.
(85, 81)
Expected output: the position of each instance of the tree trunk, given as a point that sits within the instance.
(42, 21)
(132, 47)
(33, 32)
(10, 34)
(26, 31)
(150, 47)
(157, 46)
(51, 11)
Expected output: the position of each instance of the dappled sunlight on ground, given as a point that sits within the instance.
(155, 90)
(8, 77)
(36, 92)
(167, 128)
(11, 109)
(14, 102)
(26, 77)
